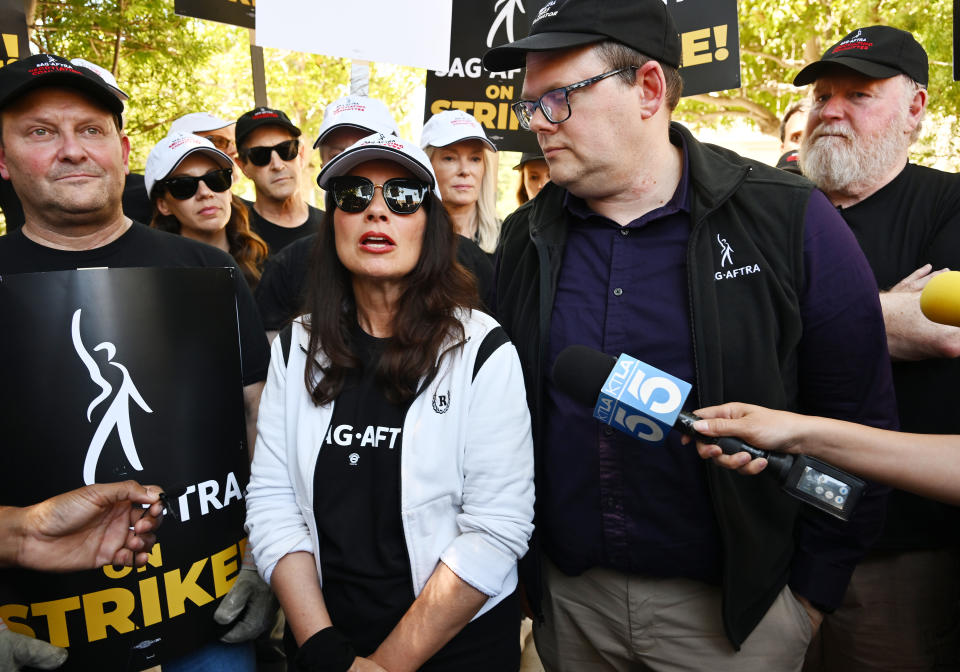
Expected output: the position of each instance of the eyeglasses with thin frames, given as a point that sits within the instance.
(555, 104)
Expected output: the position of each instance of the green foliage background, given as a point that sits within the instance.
(172, 65)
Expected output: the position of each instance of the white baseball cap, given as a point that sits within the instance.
(367, 114)
(450, 126)
(105, 75)
(380, 146)
(198, 122)
(170, 152)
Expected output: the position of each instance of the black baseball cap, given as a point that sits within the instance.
(643, 25)
(44, 70)
(527, 157)
(262, 116)
(875, 51)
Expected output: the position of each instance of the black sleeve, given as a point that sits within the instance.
(280, 292)
(10, 204)
(254, 348)
(136, 204)
(477, 262)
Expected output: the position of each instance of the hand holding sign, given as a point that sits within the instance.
(83, 529)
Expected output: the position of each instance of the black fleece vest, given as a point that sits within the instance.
(745, 313)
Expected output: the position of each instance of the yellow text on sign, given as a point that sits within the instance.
(204, 581)
(492, 115)
(697, 47)
(11, 48)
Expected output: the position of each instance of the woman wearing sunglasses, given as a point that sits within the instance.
(391, 491)
(464, 161)
(189, 180)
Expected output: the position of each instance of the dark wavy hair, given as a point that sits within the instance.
(522, 190)
(425, 319)
(246, 247)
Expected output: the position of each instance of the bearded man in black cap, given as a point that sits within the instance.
(869, 97)
(733, 275)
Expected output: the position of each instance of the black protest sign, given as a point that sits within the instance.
(477, 26)
(13, 32)
(709, 35)
(956, 40)
(710, 38)
(117, 374)
(235, 12)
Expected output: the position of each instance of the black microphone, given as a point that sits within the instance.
(644, 402)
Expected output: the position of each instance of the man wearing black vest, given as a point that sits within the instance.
(732, 275)
(869, 97)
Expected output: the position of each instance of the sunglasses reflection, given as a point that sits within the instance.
(402, 195)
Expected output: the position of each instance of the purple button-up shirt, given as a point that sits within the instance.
(612, 501)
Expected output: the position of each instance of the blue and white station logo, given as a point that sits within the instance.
(641, 400)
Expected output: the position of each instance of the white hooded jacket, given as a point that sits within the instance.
(466, 464)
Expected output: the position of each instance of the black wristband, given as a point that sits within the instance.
(326, 651)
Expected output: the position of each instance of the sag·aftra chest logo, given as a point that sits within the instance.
(728, 269)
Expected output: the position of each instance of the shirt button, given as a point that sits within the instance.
(617, 292)
(624, 232)
(608, 431)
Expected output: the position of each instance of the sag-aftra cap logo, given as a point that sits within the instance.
(855, 41)
(547, 11)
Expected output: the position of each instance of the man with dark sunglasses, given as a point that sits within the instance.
(732, 275)
(272, 155)
(63, 148)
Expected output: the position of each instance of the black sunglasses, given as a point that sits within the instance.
(185, 186)
(260, 156)
(402, 195)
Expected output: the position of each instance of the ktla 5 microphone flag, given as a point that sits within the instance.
(112, 374)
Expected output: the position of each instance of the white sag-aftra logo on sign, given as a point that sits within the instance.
(111, 374)
(117, 414)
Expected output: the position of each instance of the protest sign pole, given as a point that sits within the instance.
(257, 70)
(360, 77)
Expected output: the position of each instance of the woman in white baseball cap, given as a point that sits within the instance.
(188, 181)
(391, 490)
(463, 159)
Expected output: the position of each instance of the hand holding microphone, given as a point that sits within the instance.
(645, 403)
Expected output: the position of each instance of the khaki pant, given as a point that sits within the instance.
(607, 620)
(901, 613)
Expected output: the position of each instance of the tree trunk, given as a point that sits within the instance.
(30, 10)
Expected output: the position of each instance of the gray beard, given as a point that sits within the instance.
(849, 165)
